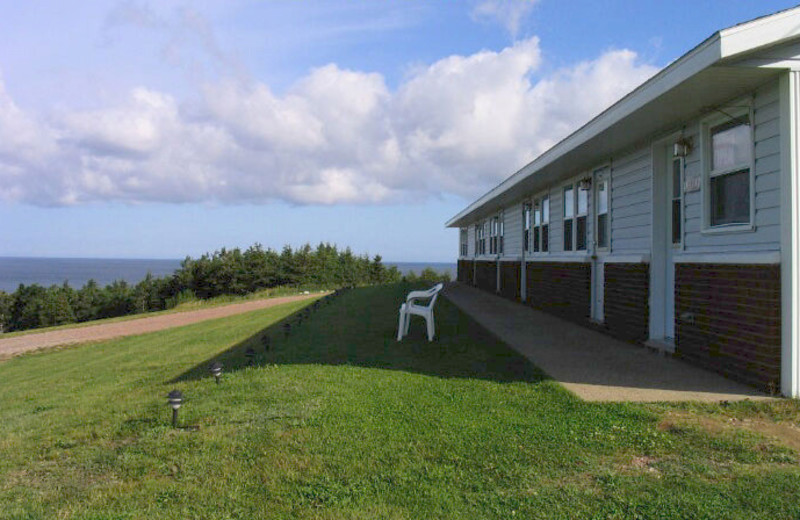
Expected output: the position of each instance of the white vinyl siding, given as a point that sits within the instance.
(513, 231)
(766, 236)
(471, 240)
(630, 179)
(631, 204)
(556, 219)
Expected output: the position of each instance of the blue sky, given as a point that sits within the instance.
(163, 129)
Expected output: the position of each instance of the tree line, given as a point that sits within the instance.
(223, 272)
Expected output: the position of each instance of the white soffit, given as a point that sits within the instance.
(684, 89)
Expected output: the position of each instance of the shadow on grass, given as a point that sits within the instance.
(358, 328)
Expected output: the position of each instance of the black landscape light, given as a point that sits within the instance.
(250, 354)
(266, 341)
(216, 370)
(175, 399)
(287, 329)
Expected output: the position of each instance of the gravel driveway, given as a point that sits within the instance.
(34, 341)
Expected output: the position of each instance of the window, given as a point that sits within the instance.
(501, 232)
(491, 236)
(541, 221)
(526, 227)
(676, 218)
(480, 239)
(576, 208)
(602, 213)
(493, 225)
(569, 215)
(730, 149)
(496, 230)
(463, 242)
(545, 231)
(580, 220)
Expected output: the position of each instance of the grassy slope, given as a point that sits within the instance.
(192, 305)
(340, 421)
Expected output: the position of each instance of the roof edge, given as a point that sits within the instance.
(738, 39)
(700, 57)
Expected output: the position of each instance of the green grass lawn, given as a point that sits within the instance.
(340, 421)
(191, 305)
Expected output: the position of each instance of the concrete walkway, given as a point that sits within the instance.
(591, 364)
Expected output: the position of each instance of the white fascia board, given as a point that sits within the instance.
(728, 43)
(761, 32)
(696, 60)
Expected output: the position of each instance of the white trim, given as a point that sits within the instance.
(789, 99)
(701, 57)
(626, 259)
(732, 229)
(770, 257)
(523, 284)
(573, 184)
(659, 316)
(510, 259)
(728, 44)
(681, 244)
(738, 108)
(531, 201)
(560, 258)
(605, 172)
(760, 32)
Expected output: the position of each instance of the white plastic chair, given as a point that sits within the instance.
(411, 307)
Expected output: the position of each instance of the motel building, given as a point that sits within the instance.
(671, 219)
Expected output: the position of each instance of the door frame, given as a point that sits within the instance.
(661, 297)
(598, 256)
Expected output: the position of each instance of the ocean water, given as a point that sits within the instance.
(417, 267)
(78, 271)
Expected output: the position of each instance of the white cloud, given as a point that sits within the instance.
(508, 13)
(456, 126)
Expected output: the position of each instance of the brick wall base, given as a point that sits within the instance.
(562, 288)
(465, 271)
(510, 276)
(626, 293)
(728, 319)
(486, 276)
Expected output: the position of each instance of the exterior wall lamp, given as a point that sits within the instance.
(682, 147)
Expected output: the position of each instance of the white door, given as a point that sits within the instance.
(601, 226)
(673, 241)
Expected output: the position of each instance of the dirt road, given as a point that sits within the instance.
(33, 341)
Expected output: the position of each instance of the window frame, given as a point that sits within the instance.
(585, 215)
(565, 219)
(680, 200)
(501, 232)
(480, 238)
(527, 207)
(606, 173)
(574, 185)
(484, 236)
(537, 230)
(496, 232)
(463, 242)
(707, 125)
(492, 235)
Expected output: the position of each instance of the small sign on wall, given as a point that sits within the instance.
(691, 184)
